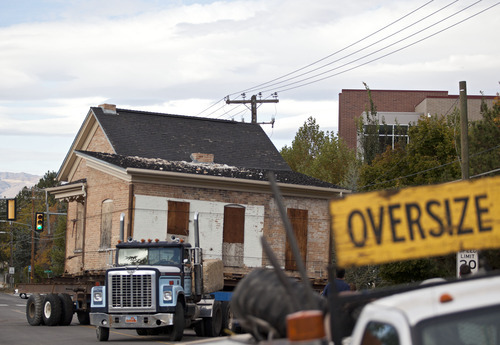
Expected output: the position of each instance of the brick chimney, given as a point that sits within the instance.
(108, 108)
(202, 157)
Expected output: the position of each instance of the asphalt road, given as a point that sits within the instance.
(14, 329)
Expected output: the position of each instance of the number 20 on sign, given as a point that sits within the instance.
(385, 226)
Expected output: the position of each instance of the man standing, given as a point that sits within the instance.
(340, 284)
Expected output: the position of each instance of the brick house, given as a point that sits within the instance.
(400, 107)
(151, 172)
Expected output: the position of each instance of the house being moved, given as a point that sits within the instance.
(143, 175)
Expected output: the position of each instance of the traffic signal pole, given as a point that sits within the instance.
(32, 234)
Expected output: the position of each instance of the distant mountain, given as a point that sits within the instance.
(12, 183)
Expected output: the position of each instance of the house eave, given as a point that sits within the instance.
(229, 183)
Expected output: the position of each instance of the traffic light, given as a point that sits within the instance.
(11, 209)
(39, 217)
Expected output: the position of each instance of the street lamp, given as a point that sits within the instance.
(11, 264)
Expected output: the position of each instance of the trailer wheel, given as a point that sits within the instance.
(213, 325)
(52, 310)
(102, 333)
(177, 330)
(83, 317)
(66, 310)
(34, 307)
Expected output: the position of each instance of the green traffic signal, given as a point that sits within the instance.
(39, 217)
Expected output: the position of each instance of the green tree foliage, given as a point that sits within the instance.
(430, 157)
(484, 140)
(49, 248)
(318, 154)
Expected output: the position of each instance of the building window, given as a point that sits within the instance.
(178, 218)
(298, 219)
(389, 135)
(106, 223)
(80, 223)
(233, 236)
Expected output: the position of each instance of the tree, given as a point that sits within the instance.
(318, 154)
(30, 200)
(484, 140)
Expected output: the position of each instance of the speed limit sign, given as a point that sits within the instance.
(468, 257)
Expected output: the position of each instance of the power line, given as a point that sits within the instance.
(318, 77)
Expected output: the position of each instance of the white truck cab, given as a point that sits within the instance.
(461, 312)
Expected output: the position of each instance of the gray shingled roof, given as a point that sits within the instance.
(222, 170)
(176, 137)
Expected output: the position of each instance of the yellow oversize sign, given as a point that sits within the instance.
(386, 226)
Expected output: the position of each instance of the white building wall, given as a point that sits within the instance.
(150, 222)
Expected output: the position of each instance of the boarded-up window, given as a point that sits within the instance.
(80, 223)
(106, 223)
(298, 219)
(233, 236)
(178, 218)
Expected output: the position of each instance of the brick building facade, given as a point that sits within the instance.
(353, 103)
(148, 173)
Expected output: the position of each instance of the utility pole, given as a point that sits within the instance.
(464, 130)
(253, 103)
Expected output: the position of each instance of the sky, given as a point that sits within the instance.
(59, 57)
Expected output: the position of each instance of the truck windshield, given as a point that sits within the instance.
(149, 256)
(478, 327)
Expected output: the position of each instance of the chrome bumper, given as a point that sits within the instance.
(131, 321)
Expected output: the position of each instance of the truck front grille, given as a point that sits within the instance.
(134, 291)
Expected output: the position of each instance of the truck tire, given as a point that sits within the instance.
(102, 333)
(66, 310)
(177, 330)
(141, 331)
(52, 310)
(227, 319)
(83, 317)
(34, 307)
(213, 325)
(252, 299)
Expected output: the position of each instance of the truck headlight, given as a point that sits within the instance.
(98, 296)
(167, 296)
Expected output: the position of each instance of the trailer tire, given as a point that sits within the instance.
(66, 310)
(213, 325)
(177, 330)
(102, 333)
(83, 317)
(141, 331)
(52, 309)
(34, 307)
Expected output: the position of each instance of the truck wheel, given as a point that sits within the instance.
(102, 333)
(66, 310)
(83, 317)
(34, 307)
(177, 330)
(52, 310)
(213, 325)
(227, 319)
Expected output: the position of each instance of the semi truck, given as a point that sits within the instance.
(155, 287)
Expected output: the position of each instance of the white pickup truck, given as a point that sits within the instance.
(462, 312)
